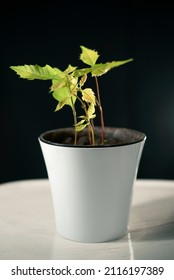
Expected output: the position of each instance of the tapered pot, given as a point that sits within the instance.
(92, 186)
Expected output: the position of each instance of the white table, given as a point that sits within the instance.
(27, 228)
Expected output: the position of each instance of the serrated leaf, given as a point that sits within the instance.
(57, 84)
(81, 125)
(91, 111)
(32, 72)
(62, 103)
(68, 81)
(70, 69)
(88, 95)
(83, 117)
(102, 68)
(72, 82)
(64, 96)
(80, 122)
(61, 93)
(81, 72)
(83, 80)
(88, 56)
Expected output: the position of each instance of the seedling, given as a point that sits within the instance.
(68, 88)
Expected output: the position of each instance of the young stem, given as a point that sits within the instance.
(101, 110)
(92, 134)
(89, 135)
(75, 122)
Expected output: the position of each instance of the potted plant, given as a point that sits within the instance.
(91, 169)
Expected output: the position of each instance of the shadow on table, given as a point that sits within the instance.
(153, 220)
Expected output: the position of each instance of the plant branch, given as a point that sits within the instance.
(91, 135)
(101, 110)
(75, 121)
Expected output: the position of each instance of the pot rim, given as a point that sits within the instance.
(141, 136)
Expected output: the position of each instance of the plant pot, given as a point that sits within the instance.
(92, 186)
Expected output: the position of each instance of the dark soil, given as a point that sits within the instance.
(113, 136)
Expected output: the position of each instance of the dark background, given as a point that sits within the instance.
(139, 95)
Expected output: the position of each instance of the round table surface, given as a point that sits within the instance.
(28, 232)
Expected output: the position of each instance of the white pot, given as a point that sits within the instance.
(92, 186)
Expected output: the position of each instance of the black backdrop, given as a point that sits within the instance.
(139, 95)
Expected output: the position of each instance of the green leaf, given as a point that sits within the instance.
(70, 69)
(32, 72)
(91, 111)
(62, 103)
(72, 83)
(81, 125)
(88, 56)
(88, 95)
(100, 69)
(68, 81)
(81, 72)
(57, 84)
(64, 96)
(83, 80)
(61, 93)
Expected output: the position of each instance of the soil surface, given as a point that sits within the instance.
(113, 136)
